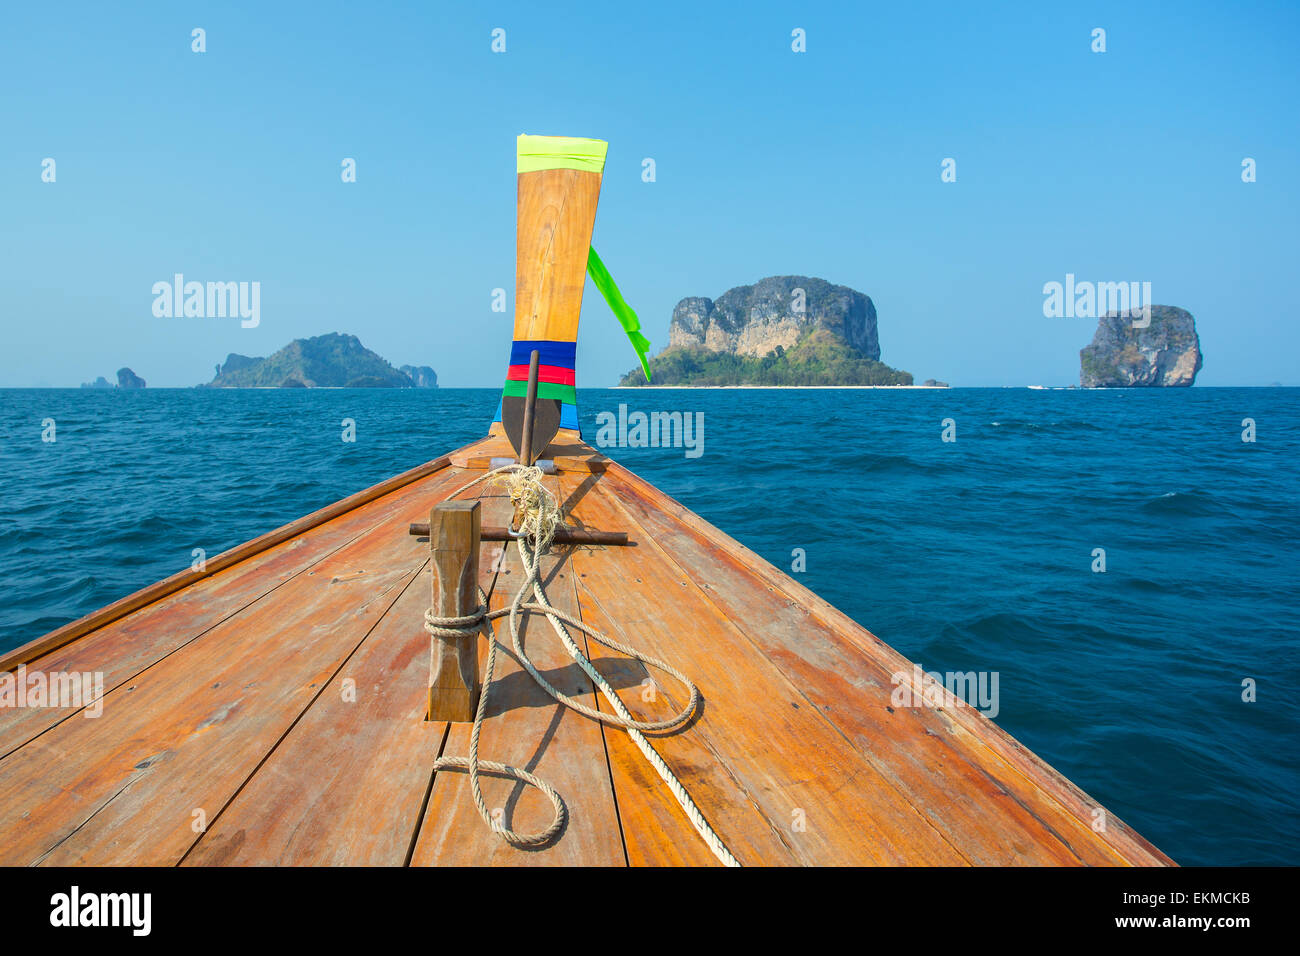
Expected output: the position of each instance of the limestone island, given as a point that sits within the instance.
(333, 360)
(782, 330)
(125, 379)
(1127, 351)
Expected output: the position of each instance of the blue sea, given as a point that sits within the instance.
(974, 554)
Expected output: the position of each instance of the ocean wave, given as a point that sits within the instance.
(1067, 425)
(1187, 503)
(878, 464)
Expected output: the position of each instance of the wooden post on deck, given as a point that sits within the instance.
(454, 682)
(530, 407)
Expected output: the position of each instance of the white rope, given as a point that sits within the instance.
(529, 485)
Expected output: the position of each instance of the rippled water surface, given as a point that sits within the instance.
(968, 555)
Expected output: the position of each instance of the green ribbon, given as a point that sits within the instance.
(622, 311)
(565, 393)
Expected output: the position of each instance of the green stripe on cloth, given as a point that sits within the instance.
(565, 393)
(622, 311)
(560, 152)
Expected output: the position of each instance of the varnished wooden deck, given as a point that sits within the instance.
(271, 711)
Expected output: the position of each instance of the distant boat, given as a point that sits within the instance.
(272, 705)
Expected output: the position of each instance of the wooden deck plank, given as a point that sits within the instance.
(122, 649)
(566, 451)
(656, 831)
(948, 760)
(829, 804)
(347, 786)
(526, 728)
(188, 732)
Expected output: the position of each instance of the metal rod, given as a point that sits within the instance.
(530, 403)
(562, 536)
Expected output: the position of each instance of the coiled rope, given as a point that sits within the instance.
(538, 517)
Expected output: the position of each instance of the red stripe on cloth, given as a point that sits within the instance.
(545, 373)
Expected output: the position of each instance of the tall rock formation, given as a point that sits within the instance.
(421, 375)
(782, 330)
(128, 379)
(754, 319)
(1166, 353)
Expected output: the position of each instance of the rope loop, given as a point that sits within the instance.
(539, 518)
(465, 626)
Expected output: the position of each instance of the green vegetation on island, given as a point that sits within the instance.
(324, 361)
(819, 357)
(782, 330)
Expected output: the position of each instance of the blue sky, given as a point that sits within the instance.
(225, 165)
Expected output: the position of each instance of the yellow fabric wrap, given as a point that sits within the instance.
(560, 152)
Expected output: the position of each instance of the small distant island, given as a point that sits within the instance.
(333, 360)
(1127, 352)
(782, 330)
(422, 376)
(125, 379)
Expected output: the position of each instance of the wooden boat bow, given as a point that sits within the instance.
(272, 708)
